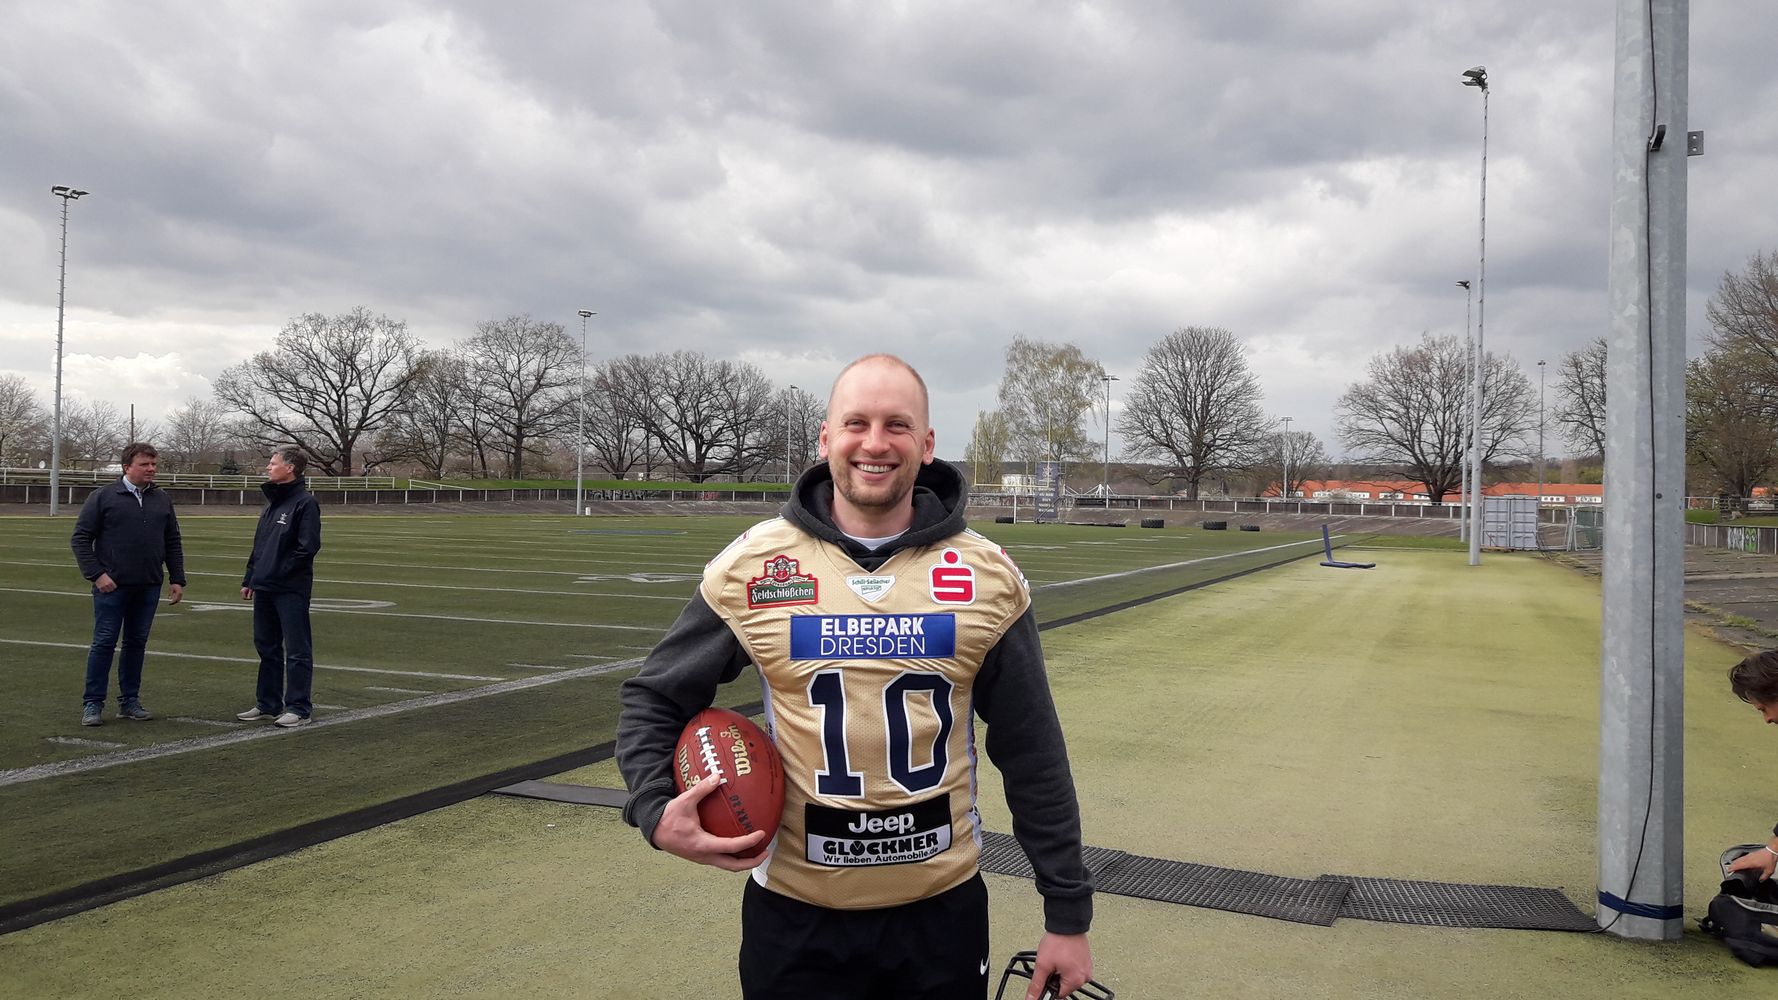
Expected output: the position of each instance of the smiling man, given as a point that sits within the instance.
(880, 626)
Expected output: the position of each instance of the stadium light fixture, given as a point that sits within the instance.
(67, 194)
(580, 443)
(1478, 77)
(1105, 484)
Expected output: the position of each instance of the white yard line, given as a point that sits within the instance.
(96, 762)
(255, 659)
(398, 690)
(75, 741)
(1175, 565)
(421, 586)
(204, 722)
(322, 609)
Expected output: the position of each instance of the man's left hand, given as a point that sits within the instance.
(1066, 955)
(178, 592)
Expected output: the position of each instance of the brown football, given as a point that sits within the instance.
(727, 744)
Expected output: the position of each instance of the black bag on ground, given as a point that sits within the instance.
(1745, 914)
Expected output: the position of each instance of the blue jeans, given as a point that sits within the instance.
(286, 656)
(127, 612)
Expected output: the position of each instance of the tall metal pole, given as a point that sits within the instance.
(67, 194)
(1463, 496)
(1105, 484)
(789, 401)
(1478, 77)
(1642, 637)
(1286, 486)
(580, 444)
(1540, 365)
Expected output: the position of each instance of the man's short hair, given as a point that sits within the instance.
(1755, 679)
(925, 397)
(293, 457)
(134, 448)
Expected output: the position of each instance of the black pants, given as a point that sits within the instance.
(931, 949)
(286, 656)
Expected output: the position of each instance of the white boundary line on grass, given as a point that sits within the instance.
(420, 586)
(254, 659)
(323, 609)
(38, 772)
(1175, 565)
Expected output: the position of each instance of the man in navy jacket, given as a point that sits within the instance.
(280, 576)
(125, 532)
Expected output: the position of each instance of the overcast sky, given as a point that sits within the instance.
(794, 184)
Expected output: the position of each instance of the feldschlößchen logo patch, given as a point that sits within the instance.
(783, 585)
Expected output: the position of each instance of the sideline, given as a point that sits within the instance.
(254, 659)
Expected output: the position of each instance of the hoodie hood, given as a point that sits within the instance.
(939, 496)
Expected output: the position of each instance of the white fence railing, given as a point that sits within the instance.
(89, 477)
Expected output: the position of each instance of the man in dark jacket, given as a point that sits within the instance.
(872, 878)
(124, 534)
(280, 576)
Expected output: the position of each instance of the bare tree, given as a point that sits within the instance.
(616, 440)
(1580, 397)
(988, 444)
(526, 376)
(21, 419)
(796, 415)
(1743, 317)
(1195, 407)
(1411, 416)
(753, 413)
(92, 433)
(1044, 392)
(1308, 459)
(331, 382)
(1727, 428)
(198, 431)
(426, 430)
(675, 397)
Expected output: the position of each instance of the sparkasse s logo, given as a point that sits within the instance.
(953, 580)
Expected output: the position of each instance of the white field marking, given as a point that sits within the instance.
(254, 659)
(399, 690)
(330, 708)
(429, 586)
(204, 722)
(94, 762)
(593, 656)
(1174, 565)
(75, 741)
(427, 567)
(243, 606)
(543, 666)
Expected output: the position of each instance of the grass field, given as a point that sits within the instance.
(1423, 720)
(447, 648)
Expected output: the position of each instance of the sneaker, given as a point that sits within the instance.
(90, 716)
(255, 715)
(134, 710)
(290, 720)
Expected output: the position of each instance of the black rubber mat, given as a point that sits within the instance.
(1002, 855)
(557, 791)
(1449, 904)
(1304, 901)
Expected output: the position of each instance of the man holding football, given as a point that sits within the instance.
(880, 626)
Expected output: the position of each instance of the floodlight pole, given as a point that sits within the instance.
(580, 443)
(67, 194)
(789, 401)
(1463, 495)
(1105, 484)
(1641, 890)
(1540, 366)
(1478, 77)
(1286, 489)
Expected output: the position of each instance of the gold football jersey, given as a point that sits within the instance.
(869, 681)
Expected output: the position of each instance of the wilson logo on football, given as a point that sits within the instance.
(953, 581)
